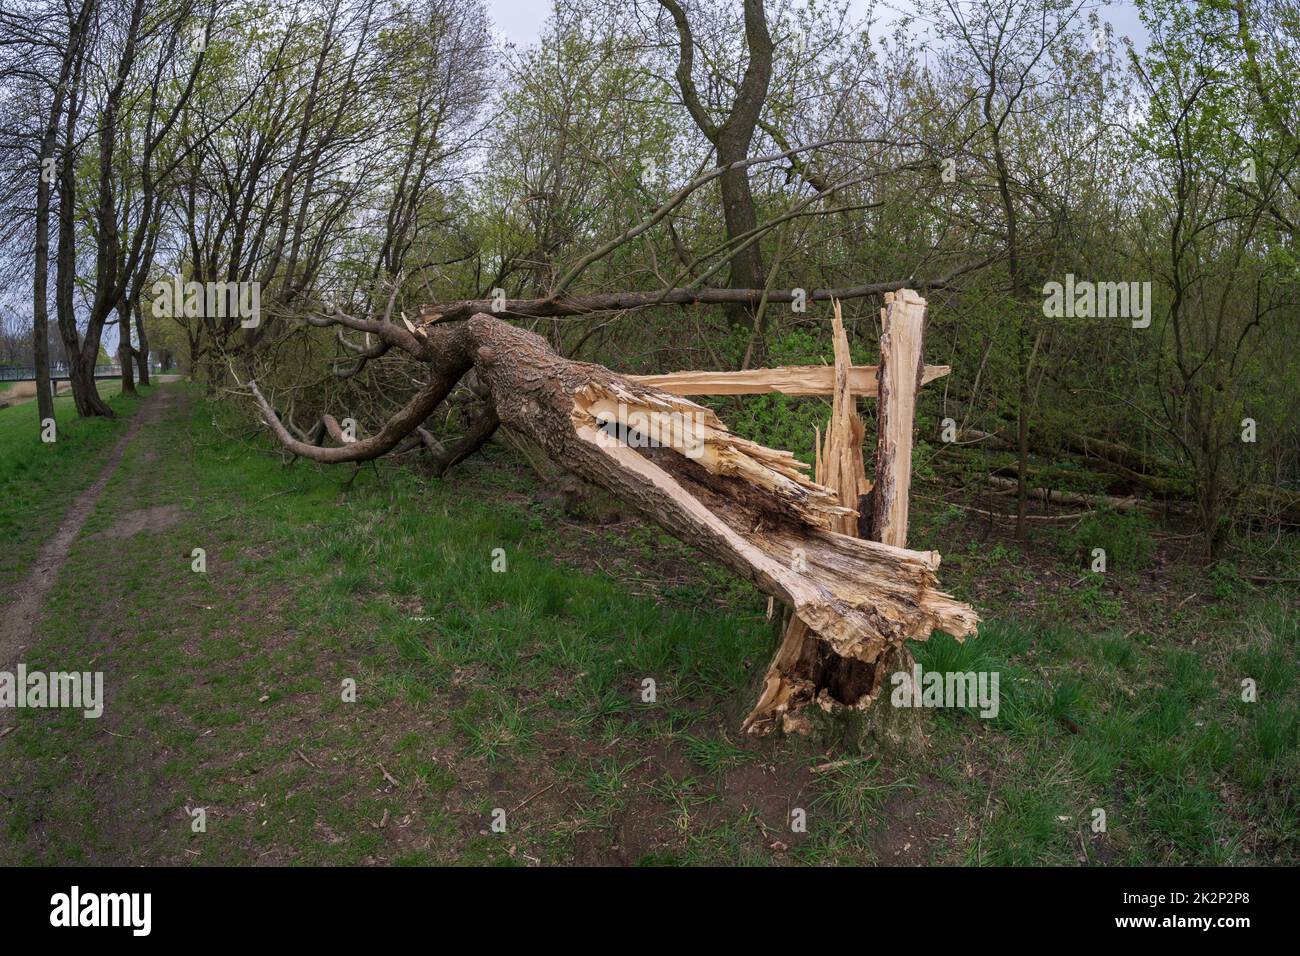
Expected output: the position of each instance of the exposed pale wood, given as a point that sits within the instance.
(785, 689)
(840, 464)
(859, 595)
(804, 669)
(902, 341)
(678, 423)
(902, 370)
(785, 379)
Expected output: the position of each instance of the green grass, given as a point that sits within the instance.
(522, 691)
(38, 480)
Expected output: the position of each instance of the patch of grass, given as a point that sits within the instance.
(1125, 536)
(714, 754)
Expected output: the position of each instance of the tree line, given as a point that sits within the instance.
(661, 185)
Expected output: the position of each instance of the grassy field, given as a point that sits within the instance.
(521, 690)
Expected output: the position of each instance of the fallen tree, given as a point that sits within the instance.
(1158, 477)
(749, 507)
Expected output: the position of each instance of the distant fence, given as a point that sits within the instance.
(27, 373)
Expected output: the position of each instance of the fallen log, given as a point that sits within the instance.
(1157, 485)
(749, 507)
(1133, 459)
(1050, 496)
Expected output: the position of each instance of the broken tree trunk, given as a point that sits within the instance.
(747, 506)
(902, 372)
(902, 340)
(805, 670)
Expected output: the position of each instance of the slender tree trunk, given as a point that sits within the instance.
(81, 366)
(746, 268)
(1022, 434)
(1022, 332)
(142, 347)
(124, 350)
(731, 138)
(81, 356)
(40, 296)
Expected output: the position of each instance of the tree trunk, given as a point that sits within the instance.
(124, 350)
(731, 138)
(746, 266)
(142, 348)
(85, 394)
(40, 305)
(80, 374)
(805, 671)
(1022, 437)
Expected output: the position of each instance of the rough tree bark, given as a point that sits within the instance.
(747, 506)
(125, 353)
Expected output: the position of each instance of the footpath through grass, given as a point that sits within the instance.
(38, 480)
(520, 695)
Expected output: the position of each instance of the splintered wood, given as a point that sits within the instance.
(839, 460)
(647, 419)
(785, 380)
(789, 684)
(801, 672)
(857, 595)
(902, 339)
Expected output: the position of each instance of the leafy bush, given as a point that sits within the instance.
(1125, 537)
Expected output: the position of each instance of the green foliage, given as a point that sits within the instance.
(1124, 535)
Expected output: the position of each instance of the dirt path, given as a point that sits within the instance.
(18, 620)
